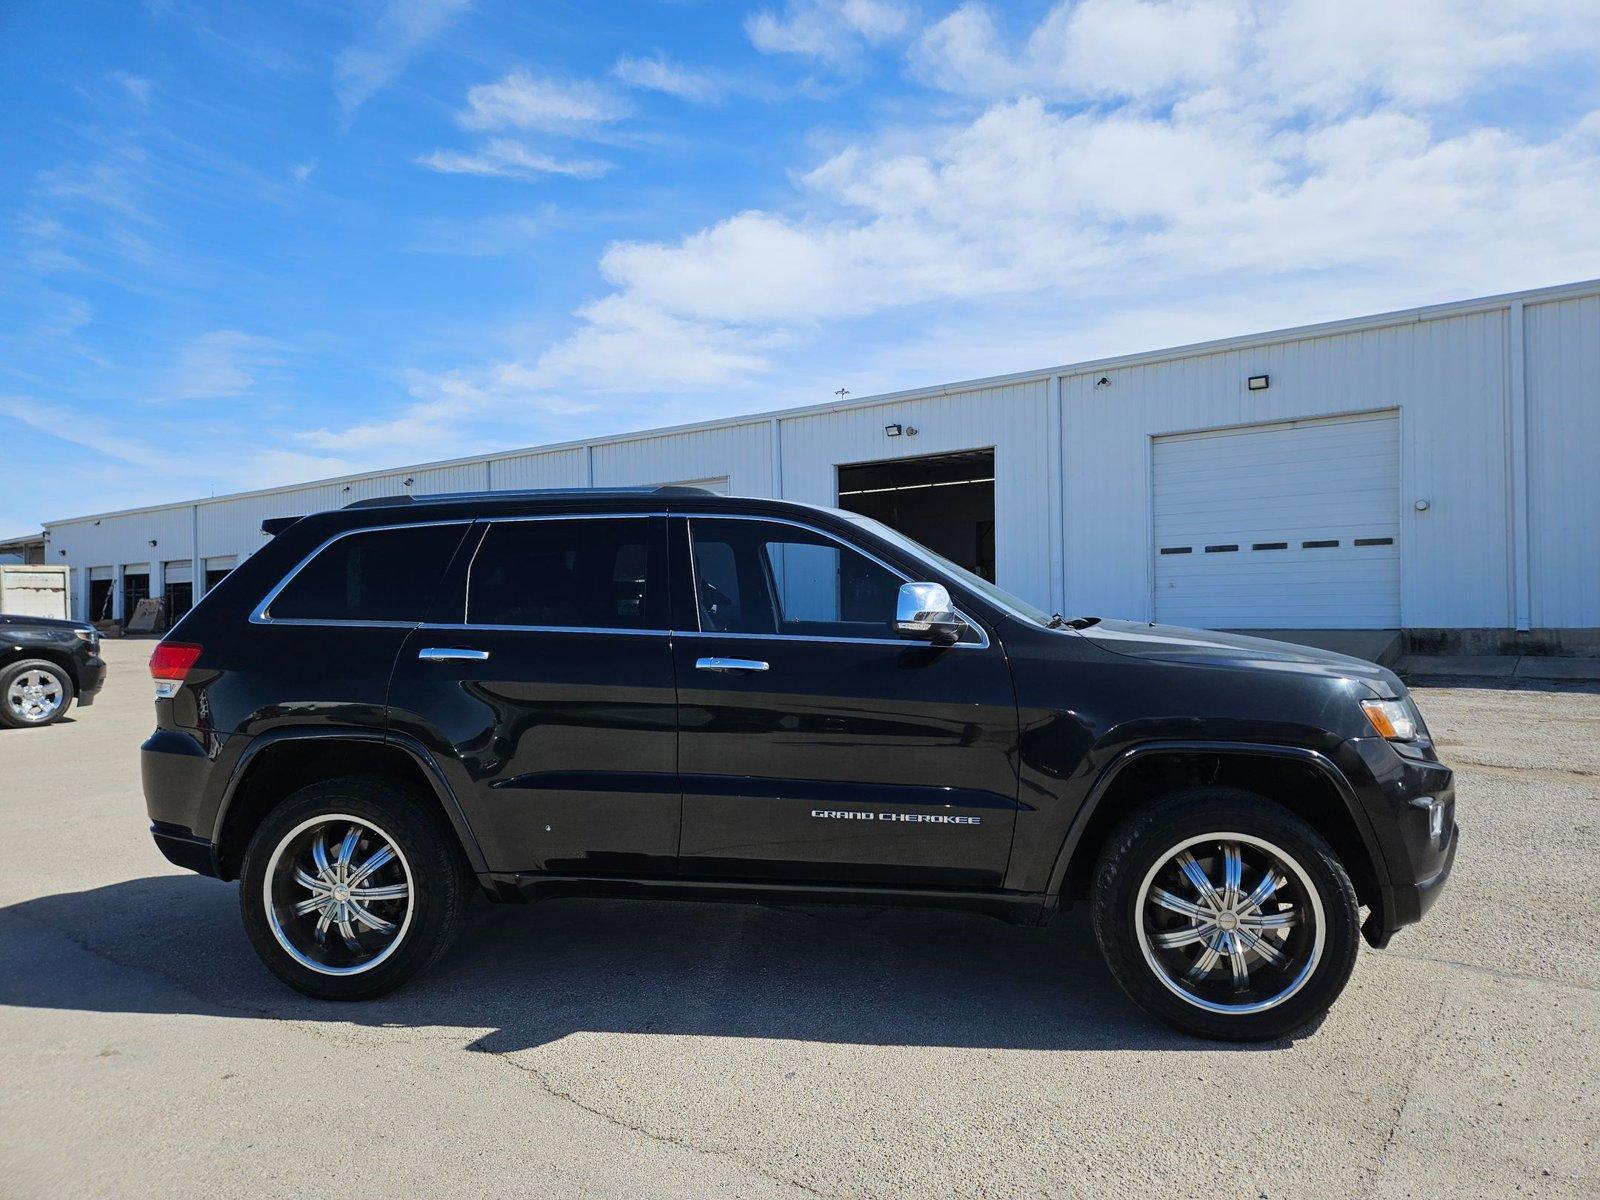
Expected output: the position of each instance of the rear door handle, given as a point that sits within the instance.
(730, 664)
(446, 654)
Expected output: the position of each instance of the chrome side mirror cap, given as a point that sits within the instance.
(924, 611)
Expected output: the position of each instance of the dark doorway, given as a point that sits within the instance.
(134, 589)
(180, 599)
(215, 575)
(100, 599)
(944, 501)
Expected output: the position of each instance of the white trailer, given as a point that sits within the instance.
(33, 591)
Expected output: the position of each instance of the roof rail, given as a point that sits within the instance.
(667, 489)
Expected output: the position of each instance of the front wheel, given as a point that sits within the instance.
(33, 692)
(1225, 915)
(349, 888)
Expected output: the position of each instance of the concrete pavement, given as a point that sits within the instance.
(631, 1049)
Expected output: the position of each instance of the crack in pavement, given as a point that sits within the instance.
(1547, 774)
(1405, 1096)
(346, 1036)
(556, 1093)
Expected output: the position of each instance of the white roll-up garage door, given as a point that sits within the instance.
(1288, 526)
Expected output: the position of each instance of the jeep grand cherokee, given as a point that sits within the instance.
(661, 692)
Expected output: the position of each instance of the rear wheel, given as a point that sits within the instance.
(350, 887)
(1226, 915)
(33, 692)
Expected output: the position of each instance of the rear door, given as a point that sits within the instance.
(546, 682)
(815, 744)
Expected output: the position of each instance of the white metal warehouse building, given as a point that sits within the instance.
(1436, 469)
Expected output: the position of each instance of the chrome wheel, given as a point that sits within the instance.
(36, 696)
(1230, 923)
(338, 894)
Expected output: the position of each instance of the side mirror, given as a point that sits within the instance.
(924, 611)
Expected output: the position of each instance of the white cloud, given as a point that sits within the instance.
(1306, 54)
(69, 425)
(512, 160)
(399, 35)
(450, 413)
(221, 363)
(301, 172)
(831, 31)
(1026, 202)
(137, 87)
(1212, 183)
(524, 101)
(660, 74)
(62, 315)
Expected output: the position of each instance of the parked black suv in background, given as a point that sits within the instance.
(44, 664)
(663, 692)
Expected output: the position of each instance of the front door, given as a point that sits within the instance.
(545, 682)
(816, 745)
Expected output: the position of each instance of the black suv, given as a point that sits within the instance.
(44, 665)
(661, 692)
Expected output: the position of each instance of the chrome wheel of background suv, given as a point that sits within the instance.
(1230, 923)
(337, 893)
(36, 695)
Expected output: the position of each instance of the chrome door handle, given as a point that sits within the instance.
(730, 664)
(445, 654)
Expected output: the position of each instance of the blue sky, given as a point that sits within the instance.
(252, 244)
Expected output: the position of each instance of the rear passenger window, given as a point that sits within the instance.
(569, 574)
(381, 575)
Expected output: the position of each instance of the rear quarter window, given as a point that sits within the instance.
(375, 575)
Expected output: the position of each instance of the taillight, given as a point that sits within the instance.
(170, 664)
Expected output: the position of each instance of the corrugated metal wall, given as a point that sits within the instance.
(1446, 377)
(1563, 392)
(1073, 460)
(1014, 419)
(741, 452)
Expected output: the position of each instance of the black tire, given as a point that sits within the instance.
(430, 863)
(29, 666)
(1142, 846)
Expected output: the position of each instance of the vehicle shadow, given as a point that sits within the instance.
(5, 729)
(535, 974)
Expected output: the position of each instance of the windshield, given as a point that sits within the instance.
(997, 595)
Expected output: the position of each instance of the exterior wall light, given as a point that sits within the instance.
(892, 430)
(1259, 383)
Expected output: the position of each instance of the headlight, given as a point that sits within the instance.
(1395, 720)
(88, 634)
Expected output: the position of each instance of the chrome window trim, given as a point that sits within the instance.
(443, 627)
(698, 631)
(262, 615)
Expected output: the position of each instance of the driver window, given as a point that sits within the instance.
(766, 577)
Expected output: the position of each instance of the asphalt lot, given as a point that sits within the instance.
(598, 1048)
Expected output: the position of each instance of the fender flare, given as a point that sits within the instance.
(1312, 758)
(417, 752)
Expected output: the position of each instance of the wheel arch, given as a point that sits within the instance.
(281, 761)
(1303, 780)
(12, 655)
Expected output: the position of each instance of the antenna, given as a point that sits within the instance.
(842, 393)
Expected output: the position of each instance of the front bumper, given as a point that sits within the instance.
(1397, 791)
(91, 678)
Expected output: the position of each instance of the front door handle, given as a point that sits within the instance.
(445, 654)
(730, 664)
